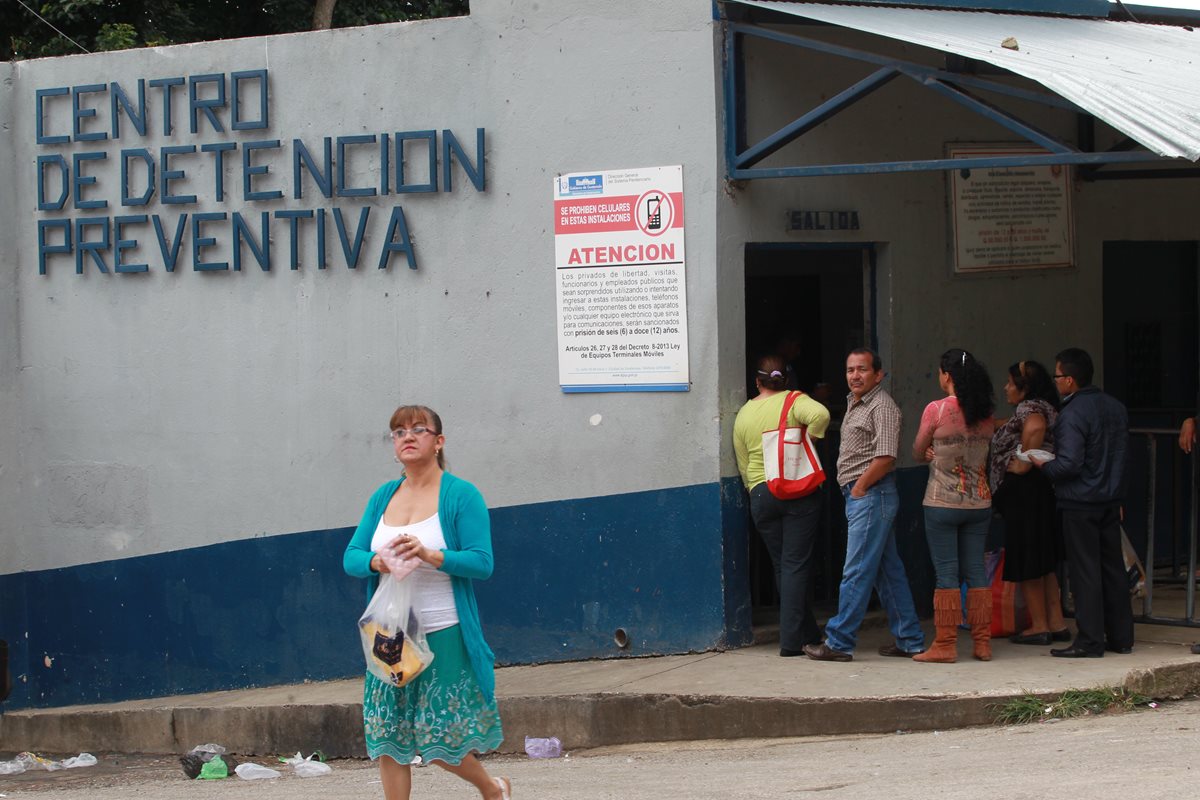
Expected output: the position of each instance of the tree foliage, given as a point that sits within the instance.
(123, 24)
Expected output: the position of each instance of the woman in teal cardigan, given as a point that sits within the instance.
(448, 713)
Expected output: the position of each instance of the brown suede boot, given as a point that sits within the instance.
(979, 617)
(947, 613)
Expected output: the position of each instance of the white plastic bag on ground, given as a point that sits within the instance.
(251, 772)
(311, 769)
(81, 760)
(13, 767)
(307, 767)
(34, 761)
(543, 748)
(215, 749)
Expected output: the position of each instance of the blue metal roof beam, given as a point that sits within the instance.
(739, 162)
(998, 115)
(938, 165)
(813, 118)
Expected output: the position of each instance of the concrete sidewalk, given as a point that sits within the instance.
(750, 692)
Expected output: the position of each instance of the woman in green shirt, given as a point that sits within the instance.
(787, 527)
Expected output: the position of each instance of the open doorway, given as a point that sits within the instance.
(1151, 359)
(817, 303)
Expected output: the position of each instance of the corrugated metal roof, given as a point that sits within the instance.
(1143, 80)
(1179, 5)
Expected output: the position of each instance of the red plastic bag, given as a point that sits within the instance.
(1009, 614)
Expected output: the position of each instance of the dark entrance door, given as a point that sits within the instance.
(816, 302)
(1151, 358)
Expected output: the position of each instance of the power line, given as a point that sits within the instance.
(56, 30)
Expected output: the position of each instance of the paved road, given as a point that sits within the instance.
(1142, 755)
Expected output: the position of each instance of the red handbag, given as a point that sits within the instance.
(790, 461)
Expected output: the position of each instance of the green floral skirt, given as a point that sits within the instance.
(441, 715)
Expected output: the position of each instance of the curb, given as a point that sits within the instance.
(579, 721)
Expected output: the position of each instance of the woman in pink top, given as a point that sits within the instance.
(954, 438)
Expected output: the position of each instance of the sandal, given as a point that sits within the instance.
(505, 787)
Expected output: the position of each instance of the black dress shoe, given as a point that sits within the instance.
(1040, 639)
(1124, 651)
(785, 653)
(1061, 636)
(1075, 652)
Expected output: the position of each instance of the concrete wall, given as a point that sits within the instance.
(179, 430)
(192, 449)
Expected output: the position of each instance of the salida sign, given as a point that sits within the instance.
(111, 196)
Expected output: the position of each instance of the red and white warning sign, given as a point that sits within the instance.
(619, 267)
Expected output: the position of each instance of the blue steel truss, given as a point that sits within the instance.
(741, 157)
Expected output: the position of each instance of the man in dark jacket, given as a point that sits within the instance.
(1091, 436)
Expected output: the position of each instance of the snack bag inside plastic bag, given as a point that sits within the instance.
(393, 640)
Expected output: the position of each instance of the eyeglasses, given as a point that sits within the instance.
(1056, 377)
(415, 430)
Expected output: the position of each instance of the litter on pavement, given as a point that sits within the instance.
(543, 748)
(29, 761)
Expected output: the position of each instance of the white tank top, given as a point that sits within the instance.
(432, 590)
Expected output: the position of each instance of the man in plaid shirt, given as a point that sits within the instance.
(866, 460)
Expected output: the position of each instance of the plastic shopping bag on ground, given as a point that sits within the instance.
(393, 640)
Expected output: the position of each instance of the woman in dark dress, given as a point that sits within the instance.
(1033, 544)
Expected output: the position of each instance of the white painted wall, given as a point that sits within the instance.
(11, 427)
(146, 413)
(923, 308)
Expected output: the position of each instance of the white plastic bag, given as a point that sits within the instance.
(398, 567)
(393, 640)
(81, 760)
(13, 767)
(34, 761)
(311, 769)
(1040, 455)
(250, 772)
(543, 748)
(215, 749)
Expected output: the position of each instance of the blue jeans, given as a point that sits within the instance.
(872, 560)
(957, 537)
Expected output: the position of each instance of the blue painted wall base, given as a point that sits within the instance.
(279, 609)
(668, 568)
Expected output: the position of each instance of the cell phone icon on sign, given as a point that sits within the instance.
(654, 213)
